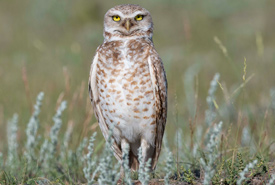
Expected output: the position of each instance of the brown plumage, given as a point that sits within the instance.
(128, 86)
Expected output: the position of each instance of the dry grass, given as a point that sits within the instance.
(48, 46)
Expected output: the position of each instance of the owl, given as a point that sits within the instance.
(128, 86)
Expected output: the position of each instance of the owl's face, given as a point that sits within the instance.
(127, 21)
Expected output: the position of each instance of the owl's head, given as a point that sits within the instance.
(127, 21)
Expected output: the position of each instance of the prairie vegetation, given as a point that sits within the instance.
(219, 59)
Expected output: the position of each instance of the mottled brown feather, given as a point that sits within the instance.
(103, 126)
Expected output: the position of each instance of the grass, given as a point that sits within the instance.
(219, 58)
(49, 160)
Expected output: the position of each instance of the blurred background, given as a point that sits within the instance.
(49, 45)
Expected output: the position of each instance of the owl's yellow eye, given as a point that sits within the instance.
(116, 18)
(139, 17)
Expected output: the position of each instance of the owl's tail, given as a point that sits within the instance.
(133, 161)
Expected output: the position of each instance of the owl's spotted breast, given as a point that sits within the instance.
(126, 90)
(128, 86)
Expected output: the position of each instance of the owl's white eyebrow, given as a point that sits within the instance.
(137, 13)
(114, 13)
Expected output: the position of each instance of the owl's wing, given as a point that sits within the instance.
(94, 95)
(159, 81)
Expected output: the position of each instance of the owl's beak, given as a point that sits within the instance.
(127, 25)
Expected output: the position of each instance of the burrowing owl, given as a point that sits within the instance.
(128, 86)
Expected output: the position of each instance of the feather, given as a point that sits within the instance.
(160, 90)
(94, 96)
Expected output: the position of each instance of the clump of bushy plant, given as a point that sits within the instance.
(80, 149)
(12, 144)
(64, 148)
(210, 113)
(31, 131)
(188, 176)
(90, 164)
(246, 136)
(125, 165)
(48, 149)
(211, 154)
(237, 167)
(247, 139)
(144, 168)
(108, 173)
(168, 168)
(56, 128)
(245, 171)
(55, 160)
(41, 157)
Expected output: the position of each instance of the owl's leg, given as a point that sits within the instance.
(125, 147)
(146, 149)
